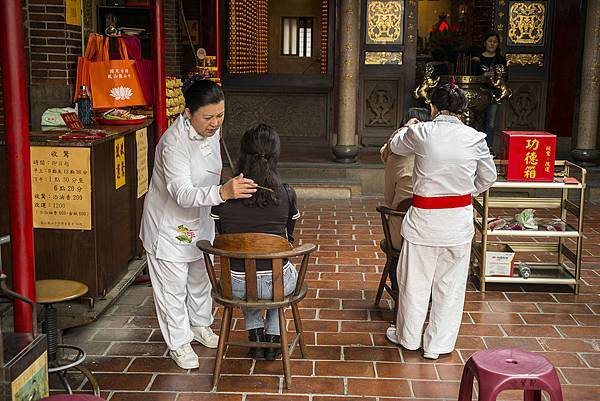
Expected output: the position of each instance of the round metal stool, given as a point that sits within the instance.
(48, 293)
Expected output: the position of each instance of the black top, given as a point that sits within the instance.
(487, 63)
(234, 217)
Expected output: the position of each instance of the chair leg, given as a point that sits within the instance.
(382, 282)
(299, 330)
(91, 379)
(61, 376)
(285, 352)
(466, 385)
(223, 338)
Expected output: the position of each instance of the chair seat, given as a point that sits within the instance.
(52, 291)
(261, 303)
(383, 246)
(511, 363)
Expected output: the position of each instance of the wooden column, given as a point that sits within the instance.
(587, 133)
(346, 148)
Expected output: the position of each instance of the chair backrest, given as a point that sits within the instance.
(250, 247)
(4, 290)
(386, 213)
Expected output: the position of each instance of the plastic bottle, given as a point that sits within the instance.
(84, 106)
(524, 270)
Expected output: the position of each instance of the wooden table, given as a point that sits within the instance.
(99, 256)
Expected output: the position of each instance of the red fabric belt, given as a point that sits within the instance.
(441, 202)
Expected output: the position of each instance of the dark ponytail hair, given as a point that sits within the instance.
(449, 97)
(200, 92)
(259, 154)
(420, 113)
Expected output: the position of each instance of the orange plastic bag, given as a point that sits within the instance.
(83, 63)
(115, 83)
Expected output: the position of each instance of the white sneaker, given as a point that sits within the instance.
(185, 357)
(205, 336)
(391, 335)
(430, 355)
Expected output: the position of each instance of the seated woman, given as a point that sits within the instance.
(266, 212)
(398, 183)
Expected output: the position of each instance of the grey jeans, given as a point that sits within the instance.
(253, 318)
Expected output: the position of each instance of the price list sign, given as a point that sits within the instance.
(61, 188)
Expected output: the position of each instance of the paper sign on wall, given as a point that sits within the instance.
(141, 145)
(119, 162)
(61, 187)
(73, 12)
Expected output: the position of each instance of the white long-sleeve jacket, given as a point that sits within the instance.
(451, 159)
(181, 193)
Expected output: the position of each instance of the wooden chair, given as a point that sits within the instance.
(251, 247)
(391, 253)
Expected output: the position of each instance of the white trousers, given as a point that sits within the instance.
(439, 272)
(182, 298)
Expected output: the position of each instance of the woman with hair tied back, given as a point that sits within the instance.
(485, 64)
(177, 215)
(272, 210)
(452, 164)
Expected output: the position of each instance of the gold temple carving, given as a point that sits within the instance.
(381, 58)
(525, 59)
(384, 22)
(526, 23)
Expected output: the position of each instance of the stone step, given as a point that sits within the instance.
(314, 188)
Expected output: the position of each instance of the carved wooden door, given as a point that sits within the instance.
(525, 29)
(387, 66)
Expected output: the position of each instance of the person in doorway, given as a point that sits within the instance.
(184, 186)
(452, 163)
(485, 64)
(266, 212)
(397, 193)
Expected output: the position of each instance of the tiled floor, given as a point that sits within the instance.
(349, 357)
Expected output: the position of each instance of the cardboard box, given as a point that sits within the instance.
(530, 155)
(499, 260)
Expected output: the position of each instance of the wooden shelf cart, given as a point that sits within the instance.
(556, 196)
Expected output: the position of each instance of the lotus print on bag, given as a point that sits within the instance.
(121, 93)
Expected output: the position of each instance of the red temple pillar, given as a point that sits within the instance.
(159, 70)
(218, 40)
(17, 155)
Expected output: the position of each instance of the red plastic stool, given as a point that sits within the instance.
(72, 397)
(509, 369)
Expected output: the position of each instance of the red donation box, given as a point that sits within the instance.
(530, 155)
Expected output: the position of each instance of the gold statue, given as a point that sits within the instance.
(498, 81)
(422, 91)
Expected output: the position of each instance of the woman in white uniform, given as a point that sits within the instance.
(452, 163)
(183, 188)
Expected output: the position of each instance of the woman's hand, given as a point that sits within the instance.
(237, 188)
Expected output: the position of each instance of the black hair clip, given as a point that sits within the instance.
(191, 81)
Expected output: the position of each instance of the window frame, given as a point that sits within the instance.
(299, 20)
